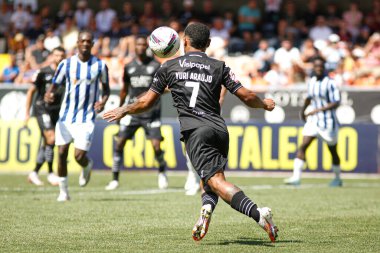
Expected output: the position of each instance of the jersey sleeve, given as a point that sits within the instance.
(229, 80)
(60, 74)
(159, 80)
(334, 94)
(126, 76)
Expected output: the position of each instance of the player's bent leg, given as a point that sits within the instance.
(209, 201)
(116, 166)
(241, 203)
(163, 182)
(299, 162)
(62, 173)
(86, 163)
(337, 181)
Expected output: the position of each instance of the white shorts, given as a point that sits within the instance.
(81, 133)
(328, 135)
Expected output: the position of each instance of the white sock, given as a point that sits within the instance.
(63, 185)
(336, 169)
(297, 168)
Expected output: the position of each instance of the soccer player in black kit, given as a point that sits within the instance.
(47, 116)
(138, 76)
(195, 82)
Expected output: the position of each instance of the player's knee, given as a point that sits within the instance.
(79, 156)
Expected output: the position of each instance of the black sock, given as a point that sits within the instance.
(49, 156)
(210, 198)
(243, 204)
(161, 161)
(40, 159)
(115, 175)
(116, 164)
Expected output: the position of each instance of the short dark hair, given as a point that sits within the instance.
(199, 35)
(318, 58)
(60, 49)
(85, 31)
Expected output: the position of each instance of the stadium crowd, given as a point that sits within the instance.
(268, 43)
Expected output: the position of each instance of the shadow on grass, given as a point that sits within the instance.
(250, 241)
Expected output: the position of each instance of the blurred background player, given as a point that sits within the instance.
(80, 74)
(321, 121)
(195, 82)
(138, 76)
(192, 185)
(47, 116)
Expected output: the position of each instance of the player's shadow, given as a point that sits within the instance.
(256, 242)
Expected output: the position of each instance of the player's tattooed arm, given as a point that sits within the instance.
(252, 100)
(142, 104)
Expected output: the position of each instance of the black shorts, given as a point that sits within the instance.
(207, 149)
(47, 121)
(152, 131)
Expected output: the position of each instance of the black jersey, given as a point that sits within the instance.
(138, 77)
(43, 81)
(195, 81)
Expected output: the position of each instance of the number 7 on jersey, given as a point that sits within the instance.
(194, 94)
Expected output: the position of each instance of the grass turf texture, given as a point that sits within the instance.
(311, 218)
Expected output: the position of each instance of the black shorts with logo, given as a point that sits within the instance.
(207, 149)
(47, 119)
(152, 129)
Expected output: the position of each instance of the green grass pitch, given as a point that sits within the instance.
(139, 218)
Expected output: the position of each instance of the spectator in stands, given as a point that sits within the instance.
(34, 31)
(10, 73)
(264, 56)
(38, 53)
(105, 17)
(312, 13)
(127, 17)
(64, 12)
(20, 19)
(69, 34)
(45, 17)
(17, 47)
(82, 15)
(110, 46)
(32, 3)
(372, 19)
(249, 17)
(308, 53)
(149, 15)
(290, 12)
(272, 16)
(320, 31)
(353, 18)
(51, 40)
(286, 56)
(167, 12)
(275, 78)
(208, 13)
(188, 12)
(219, 36)
(26, 74)
(332, 16)
(5, 18)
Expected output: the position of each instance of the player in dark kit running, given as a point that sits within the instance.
(47, 116)
(138, 76)
(195, 82)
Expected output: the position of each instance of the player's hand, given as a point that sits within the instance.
(49, 97)
(269, 104)
(26, 120)
(99, 106)
(114, 115)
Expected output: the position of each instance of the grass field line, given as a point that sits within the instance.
(158, 191)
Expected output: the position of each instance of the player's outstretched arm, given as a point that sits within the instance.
(252, 100)
(142, 104)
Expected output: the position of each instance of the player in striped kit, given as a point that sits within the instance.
(321, 121)
(81, 75)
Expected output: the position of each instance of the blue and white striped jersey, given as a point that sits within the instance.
(322, 92)
(82, 87)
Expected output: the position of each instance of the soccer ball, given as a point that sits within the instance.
(164, 42)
